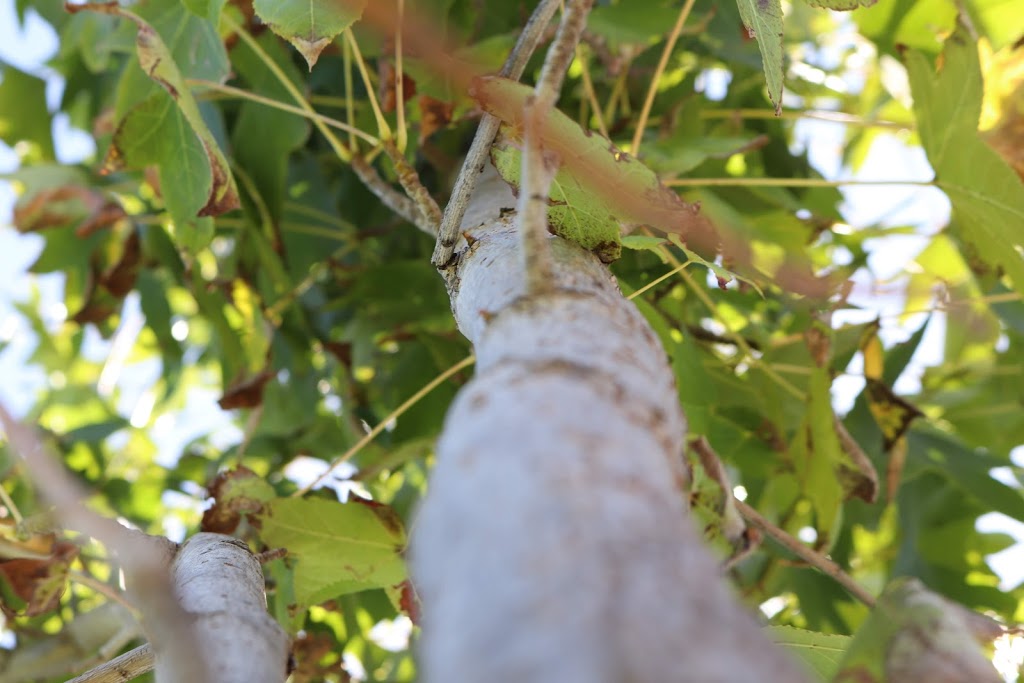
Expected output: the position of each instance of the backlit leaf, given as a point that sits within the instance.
(338, 548)
(763, 20)
(820, 652)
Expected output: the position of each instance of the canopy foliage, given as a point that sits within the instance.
(238, 302)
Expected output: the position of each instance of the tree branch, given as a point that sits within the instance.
(389, 196)
(473, 166)
(538, 169)
(120, 669)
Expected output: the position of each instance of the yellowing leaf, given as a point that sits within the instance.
(871, 348)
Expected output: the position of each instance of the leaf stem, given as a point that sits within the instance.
(298, 111)
(831, 116)
(382, 425)
(346, 56)
(473, 166)
(403, 134)
(383, 129)
(816, 560)
(9, 503)
(391, 198)
(788, 182)
(652, 89)
(658, 280)
(343, 153)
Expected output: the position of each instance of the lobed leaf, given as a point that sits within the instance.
(987, 196)
(338, 547)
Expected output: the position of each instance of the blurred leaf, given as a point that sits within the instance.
(820, 652)
(159, 130)
(987, 196)
(23, 111)
(915, 635)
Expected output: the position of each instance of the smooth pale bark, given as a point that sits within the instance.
(553, 544)
(219, 584)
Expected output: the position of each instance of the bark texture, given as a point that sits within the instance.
(219, 584)
(554, 543)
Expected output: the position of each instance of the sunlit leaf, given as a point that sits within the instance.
(337, 548)
(987, 196)
(821, 652)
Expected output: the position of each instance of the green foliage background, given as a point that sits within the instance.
(312, 311)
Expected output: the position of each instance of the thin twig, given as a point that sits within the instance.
(816, 560)
(537, 169)
(11, 506)
(382, 425)
(410, 181)
(652, 89)
(120, 669)
(298, 111)
(588, 89)
(393, 199)
(448, 235)
(407, 176)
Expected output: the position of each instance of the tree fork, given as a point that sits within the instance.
(554, 544)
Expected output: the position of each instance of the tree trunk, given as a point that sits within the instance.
(553, 544)
(220, 586)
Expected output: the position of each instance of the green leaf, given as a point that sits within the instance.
(913, 634)
(820, 652)
(156, 132)
(338, 548)
(574, 213)
(987, 196)
(146, 136)
(763, 20)
(622, 186)
(23, 112)
(309, 25)
(817, 454)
